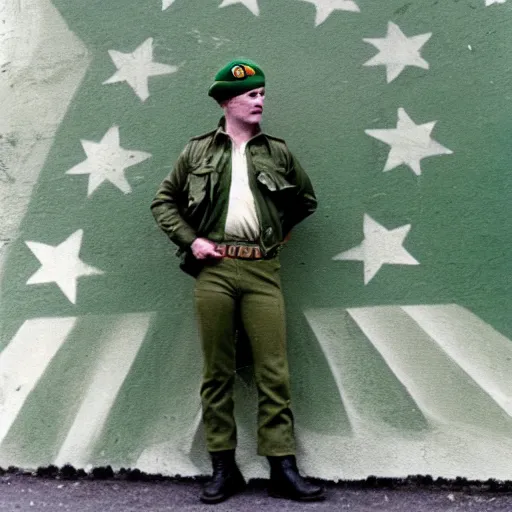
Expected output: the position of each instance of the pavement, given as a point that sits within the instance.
(26, 493)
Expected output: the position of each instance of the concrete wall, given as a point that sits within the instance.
(398, 289)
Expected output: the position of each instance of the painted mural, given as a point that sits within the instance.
(398, 290)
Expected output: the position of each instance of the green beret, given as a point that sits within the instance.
(236, 77)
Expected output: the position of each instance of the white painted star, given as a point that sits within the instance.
(136, 68)
(490, 2)
(410, 143)
(166, 4)
(61, 264)
(252, 5)
(398, 51)
(106, 161)
(380, 246)
(324, 8)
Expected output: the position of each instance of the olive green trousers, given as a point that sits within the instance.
(252, 288)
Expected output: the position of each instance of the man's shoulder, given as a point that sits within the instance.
(204, 136)
(277, 140)
(196, 146)
(278, 145)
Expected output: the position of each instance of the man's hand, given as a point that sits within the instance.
(203, 249)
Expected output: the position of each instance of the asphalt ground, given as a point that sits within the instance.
(27, 493)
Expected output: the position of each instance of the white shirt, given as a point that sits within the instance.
(241, 220)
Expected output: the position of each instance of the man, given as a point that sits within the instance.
(229, 203)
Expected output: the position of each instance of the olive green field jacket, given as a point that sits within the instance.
(186, 198)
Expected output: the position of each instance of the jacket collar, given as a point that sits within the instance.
(220, 133)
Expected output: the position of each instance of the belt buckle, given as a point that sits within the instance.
(245, 252)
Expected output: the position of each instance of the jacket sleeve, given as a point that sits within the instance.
(305, 200)
(165, 205)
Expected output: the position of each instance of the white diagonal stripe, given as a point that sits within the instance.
(483, 353)
(326, 324)
(24, 361)
(119, 350)
(362, 376)
(440, 387)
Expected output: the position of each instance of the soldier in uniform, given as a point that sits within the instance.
(229, 204)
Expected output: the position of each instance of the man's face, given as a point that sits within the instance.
(247, 107)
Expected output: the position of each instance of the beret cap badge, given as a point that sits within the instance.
(242, 71)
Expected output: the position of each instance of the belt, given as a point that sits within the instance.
(244, 252)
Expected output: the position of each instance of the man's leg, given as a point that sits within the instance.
(215, 297)
(262, 312)
(263, 315)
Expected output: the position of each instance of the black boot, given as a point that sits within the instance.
(285, 481)
(226, 479)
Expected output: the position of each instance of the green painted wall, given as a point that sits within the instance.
(398, 289)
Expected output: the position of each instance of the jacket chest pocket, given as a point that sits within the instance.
(273, 178)
(198, 183)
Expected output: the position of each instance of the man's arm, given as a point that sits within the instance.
(165, 204)
(305, 200)
(167, 215)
